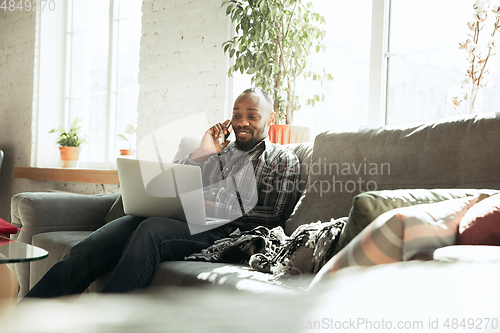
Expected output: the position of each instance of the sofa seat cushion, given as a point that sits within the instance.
(234, 276)
(468, 254)
(175, 273)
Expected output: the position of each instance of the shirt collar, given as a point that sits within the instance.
(264, 145)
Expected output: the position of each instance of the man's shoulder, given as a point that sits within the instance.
(277, 152)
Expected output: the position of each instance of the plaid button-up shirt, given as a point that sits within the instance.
(254, 188)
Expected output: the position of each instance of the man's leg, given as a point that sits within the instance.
(93, 257)
(156, 240)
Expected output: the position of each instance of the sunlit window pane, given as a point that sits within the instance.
(78, 108)
(89, 61)
(93, 112)
(96, 129)
(88, 13)
(491, 97)
(129, 35)
(347, 57)
(425, 64)
(419, 83)
(90, 72)
(129, 7)
(126, 106)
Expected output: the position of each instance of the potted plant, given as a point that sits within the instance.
(273, 43)
(128, 136)
(69, 143)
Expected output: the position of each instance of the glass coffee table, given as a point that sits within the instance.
(12, 251)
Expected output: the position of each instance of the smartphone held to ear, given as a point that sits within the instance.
(228, 132)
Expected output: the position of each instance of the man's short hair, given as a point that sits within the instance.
(264, 93)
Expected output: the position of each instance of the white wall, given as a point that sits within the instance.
(183, 71)
(17, 41)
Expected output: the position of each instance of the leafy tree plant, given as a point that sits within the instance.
(273, 41)
(72, 138)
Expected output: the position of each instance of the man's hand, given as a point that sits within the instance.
(210, 144)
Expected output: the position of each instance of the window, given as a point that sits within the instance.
(347, 58)
(101, 77)
(393, 61)
(425, 64)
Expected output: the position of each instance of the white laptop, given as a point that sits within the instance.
(154, 189)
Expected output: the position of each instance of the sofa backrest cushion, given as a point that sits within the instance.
(187, 145)
(459, 152)
(304, 153)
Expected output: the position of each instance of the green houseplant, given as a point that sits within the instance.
(70, 142)
(128, 136)
(273, 43)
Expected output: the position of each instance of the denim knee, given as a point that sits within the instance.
(164, 228)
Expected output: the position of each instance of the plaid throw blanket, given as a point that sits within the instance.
(271, 251)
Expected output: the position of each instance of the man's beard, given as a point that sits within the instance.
(246, 146)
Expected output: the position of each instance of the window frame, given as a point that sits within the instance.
(379, 59)
(111, 83)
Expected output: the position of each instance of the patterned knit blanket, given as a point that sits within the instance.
(271, 251)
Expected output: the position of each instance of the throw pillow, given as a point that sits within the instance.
(481, 224)
(401, 234)
(187, 145)
(431, 226)
(7, 228)
(368, 206)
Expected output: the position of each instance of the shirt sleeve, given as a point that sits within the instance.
(188, 160)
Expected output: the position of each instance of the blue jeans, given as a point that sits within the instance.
(132, 246)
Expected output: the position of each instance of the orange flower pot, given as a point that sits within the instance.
(285, 134)
(125, 152)
(70, 156)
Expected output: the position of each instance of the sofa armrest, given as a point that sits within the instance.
(39, 212)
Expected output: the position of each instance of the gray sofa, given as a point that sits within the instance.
(456, 153)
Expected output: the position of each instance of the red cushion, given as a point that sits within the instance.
(481, 224)
(7, 228)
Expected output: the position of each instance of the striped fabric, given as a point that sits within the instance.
(433, 226)
(379, 243)
(404, 233)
